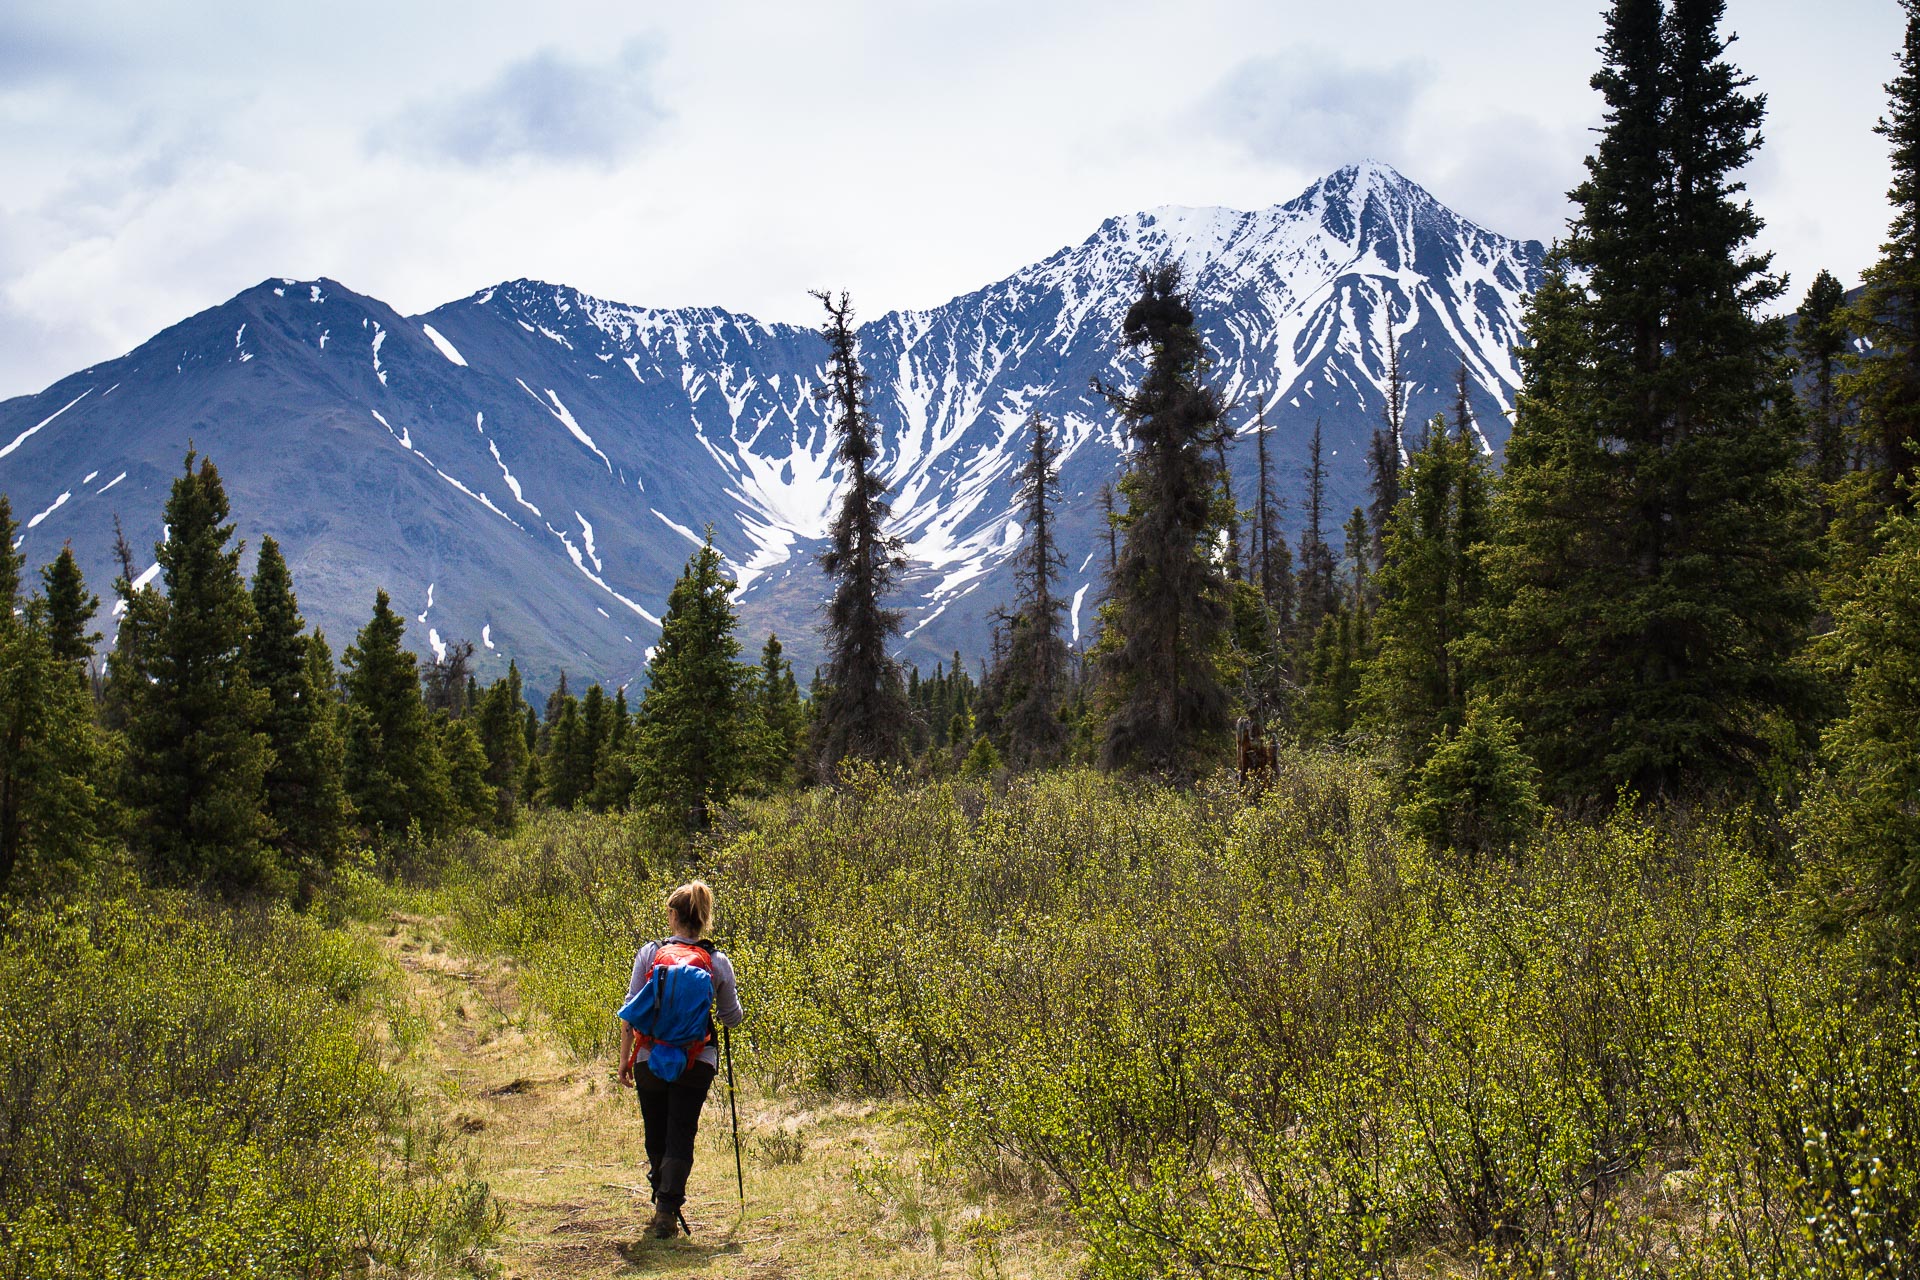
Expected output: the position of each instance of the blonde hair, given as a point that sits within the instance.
(692, 905)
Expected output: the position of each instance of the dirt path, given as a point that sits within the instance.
(831, 1191)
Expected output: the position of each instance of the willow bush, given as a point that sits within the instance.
(570, 896)
(187, 1091)
(1273, 1035)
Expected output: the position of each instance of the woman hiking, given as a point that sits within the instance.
(666, 1042)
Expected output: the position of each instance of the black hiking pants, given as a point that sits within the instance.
(671, 1113)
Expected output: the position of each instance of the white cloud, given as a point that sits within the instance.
(545, 106)
(1307, 106)
(160, 158)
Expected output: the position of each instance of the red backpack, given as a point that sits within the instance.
(671, 1014)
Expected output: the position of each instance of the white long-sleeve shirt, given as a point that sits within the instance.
(726, 993)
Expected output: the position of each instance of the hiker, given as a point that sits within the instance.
(672, 1076)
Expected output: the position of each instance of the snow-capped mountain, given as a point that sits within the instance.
(529, 467)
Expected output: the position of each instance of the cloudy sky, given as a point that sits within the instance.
(159, 158)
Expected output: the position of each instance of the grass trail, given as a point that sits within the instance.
(833, 1189)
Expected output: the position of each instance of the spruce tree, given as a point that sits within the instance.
(864, 710)
(1168, 601)
(196, 762)
(501, 724)
(472, 801)
(1432, 591)
(1274, 574)
(447, 678)
(1821, 340)
(1031, 681)
(70, 607)
(560, 696)
(1860, 826)
(396, 774)
(10, 561)
(306, 797)
(140, 613)
(782, 715)
(697, 730)
(564, 784)
(1653, 552)
(614, 776)
(531, 783)
(590, 745)
(51, 760)
(1384, 450)
(1476, 793)
(1229, 518)
(1316, 593)
(1886, 383)
(1110, 526)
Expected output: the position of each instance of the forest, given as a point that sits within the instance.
(1527, 883)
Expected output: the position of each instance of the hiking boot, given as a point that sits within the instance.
(664, 1224)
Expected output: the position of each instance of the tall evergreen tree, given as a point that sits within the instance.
(501, 724)
(70, 607)
(140, 612)
(1274, 561)
(1432, 590)
(471, 800)
(196, 763)
(1317, 593)
(1860, 826)
(1110, 526)
(1359, 558)
(396, 774)
(1229, 519)
(864, 710)
(1031, 681)
(1821, 340)
(10, 560)
(306, 796)
(614, 775)
(1886, 384)
(51, 761)
(557, 699)
(590, 746)
(782, 715)
(446, 680)
(1169, 598)
(531, 783)
(1654, 548)
(1385, 448)
(565, 780)
(697, 731)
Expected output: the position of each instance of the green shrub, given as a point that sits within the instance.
(571, 896)
(1267, 1034)
(189, 1093)
(1477, 793)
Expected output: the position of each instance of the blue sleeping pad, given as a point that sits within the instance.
(673, 1009)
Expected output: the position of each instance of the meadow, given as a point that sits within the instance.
(1233, 1034)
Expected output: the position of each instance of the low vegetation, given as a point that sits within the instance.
(192, 1091)
(1269, 1035)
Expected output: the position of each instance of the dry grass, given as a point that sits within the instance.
(832, 1189)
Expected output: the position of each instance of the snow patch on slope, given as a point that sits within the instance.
(40, 425)
(58, 503)
(446, 348)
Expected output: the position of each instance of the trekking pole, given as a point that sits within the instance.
(733, 1105)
